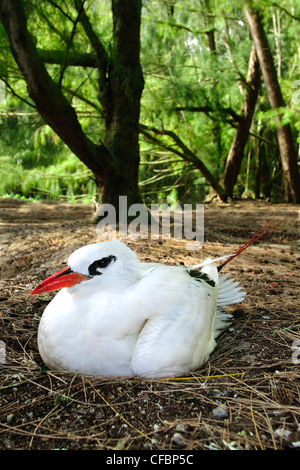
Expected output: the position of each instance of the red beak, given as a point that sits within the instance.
(64, 278)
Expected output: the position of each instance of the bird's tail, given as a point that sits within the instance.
(250, 242)
(229, 291)
(229, 258)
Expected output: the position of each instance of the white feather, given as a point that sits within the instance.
(229, 293)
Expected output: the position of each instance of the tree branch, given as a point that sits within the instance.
(57, 57)
(67, 51)
(60, 9)
(82, 98)
(100, 51)
(14, 93)
(52, 26)
(209, 109)
(275, 4)
(186, 154)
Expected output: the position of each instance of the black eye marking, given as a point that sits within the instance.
(100, 263)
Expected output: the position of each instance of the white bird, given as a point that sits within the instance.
(117, 316)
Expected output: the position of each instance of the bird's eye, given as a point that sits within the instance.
(100, 263)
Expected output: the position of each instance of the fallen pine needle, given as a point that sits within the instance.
(118, 414)
(200, 377)
(254, 422)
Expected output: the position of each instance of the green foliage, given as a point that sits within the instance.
(197, 58)
(194, 56)
(34, 163)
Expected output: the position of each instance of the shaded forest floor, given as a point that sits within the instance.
(246, 397)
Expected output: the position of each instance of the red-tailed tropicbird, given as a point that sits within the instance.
(117, 316)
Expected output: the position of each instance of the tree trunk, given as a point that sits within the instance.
(236, 152)
(284, 133)
(115, 162)
(122, 114)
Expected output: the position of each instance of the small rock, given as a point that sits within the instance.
(221, 412)
(283, 433)
(180, 428)
(9, 418)
(178, 439)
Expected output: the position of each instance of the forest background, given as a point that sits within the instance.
(162, 100)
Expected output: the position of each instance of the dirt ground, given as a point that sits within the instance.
(246, 397)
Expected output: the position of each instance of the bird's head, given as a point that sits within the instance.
(105, 264)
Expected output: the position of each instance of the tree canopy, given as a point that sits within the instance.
(160, 100)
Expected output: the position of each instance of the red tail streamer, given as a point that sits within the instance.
(251, 241)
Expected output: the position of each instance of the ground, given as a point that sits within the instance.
(246, 397)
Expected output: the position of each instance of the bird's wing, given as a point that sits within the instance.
(178, 333)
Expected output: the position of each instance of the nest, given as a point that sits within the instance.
(246, 397)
